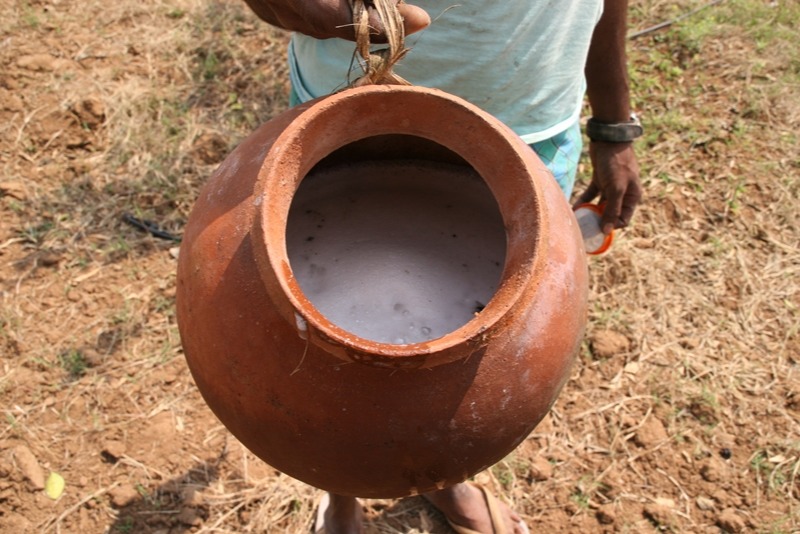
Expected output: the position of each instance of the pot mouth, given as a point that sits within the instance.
(501, 159)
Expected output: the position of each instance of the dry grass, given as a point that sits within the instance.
(107, 109)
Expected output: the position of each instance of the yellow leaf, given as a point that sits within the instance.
(54, 486)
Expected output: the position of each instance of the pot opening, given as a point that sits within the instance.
(396, 239)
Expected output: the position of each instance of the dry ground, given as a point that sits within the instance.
(682, 415)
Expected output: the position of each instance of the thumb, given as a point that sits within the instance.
(414, 18)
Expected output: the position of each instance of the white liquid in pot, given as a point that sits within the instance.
(396, 253)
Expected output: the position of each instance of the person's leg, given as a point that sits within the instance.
(468, 509)
(341, 515)
(465, 506)
(561, 154)
(294, 99)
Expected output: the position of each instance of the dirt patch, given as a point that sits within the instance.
(682, 415)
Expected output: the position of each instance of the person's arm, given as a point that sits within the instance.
(616, 172)
(325, 19)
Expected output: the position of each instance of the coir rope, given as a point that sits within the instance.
(378, 64)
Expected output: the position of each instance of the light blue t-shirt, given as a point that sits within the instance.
(521, 61)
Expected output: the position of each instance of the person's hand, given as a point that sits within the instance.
(325, 19)
(616, 181)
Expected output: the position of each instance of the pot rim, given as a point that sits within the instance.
(326, 124)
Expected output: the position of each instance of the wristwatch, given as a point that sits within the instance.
(617, 132)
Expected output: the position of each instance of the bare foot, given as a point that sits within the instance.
(339, 515)
(465, 505)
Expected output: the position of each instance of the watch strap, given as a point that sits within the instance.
(617, 132)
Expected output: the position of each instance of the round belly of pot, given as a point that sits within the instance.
(381, 292)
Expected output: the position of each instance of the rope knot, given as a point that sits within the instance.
(378, 64)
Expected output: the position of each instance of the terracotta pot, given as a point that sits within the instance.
(336, 409)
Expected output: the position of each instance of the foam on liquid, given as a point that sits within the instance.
(396, 254)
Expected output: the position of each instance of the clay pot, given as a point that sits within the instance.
(336, 409)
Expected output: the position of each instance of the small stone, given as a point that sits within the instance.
(711, 470)
(48, 258)
(10, 83)
(658, 514)
(189, 516)
(627, 422)
(92, 357)
(210, 148)
(703, 411)
(13, 522)
(690, 343)
(606, 514)
(722, 497)
(571, 508)
(651, 433)
(113, 450)
(725, 440)
(541, 469)
(10, 102)
(123, 495)
(192, 496)
(62, 64)
(793, 399)
(704, 503)
(665, 502)
(5, 471)
(13, 189)
(632, 368)
(608, 343)
(37, 62)
(174, 252)
(613, 485)
(29, 467)
(729, 521)
(91, 112)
